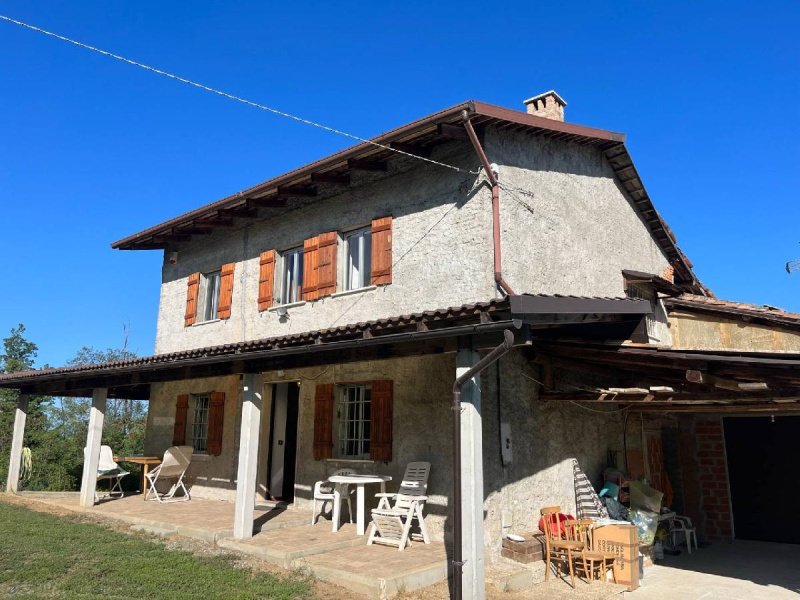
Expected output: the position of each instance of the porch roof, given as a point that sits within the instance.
(434, 331)
(656, 379)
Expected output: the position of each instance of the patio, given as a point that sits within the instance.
(283, 537)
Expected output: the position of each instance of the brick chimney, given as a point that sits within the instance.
(548, 105)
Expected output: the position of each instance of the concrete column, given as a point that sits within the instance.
(92, 451)
(252, 389)
(12, 484)
(474, 586)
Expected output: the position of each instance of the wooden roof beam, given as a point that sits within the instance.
(456, 132)
(331, 178)
(411, 149)
(367, 165)
(296, 192)
(267, 202)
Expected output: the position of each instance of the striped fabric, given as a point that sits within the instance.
(586, 499)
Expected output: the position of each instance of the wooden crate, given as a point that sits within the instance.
(623, 542)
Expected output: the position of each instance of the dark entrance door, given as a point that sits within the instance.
(762, 466)
(283, 441)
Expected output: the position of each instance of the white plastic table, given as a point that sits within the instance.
(359, 481)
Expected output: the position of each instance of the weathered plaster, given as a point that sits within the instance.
(702, 331)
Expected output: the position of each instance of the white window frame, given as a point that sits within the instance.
(291, 291)
(353, 421)
(210, 288)
(202, 405)
(357, 276)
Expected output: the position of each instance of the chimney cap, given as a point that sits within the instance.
(553, 93)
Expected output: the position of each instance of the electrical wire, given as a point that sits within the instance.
(227, 95)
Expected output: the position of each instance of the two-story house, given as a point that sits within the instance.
(319, 319)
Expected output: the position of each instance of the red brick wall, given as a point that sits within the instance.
(712, 472)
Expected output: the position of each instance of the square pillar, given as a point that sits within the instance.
(91, 453)
(473, 581)
(12, 483)
(252, 392)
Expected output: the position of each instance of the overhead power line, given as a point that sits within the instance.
(227, 95)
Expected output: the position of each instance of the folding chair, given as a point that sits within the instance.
(176, 461)
(110, 470)
(391, 525)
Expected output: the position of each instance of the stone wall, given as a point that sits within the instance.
(546, 437)
(567, 228)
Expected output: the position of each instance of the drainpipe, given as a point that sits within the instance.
(492, 357)
(498, 270)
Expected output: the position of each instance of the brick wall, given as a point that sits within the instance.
(712, 473)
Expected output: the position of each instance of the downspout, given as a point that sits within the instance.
(492, 357)
(498, 262)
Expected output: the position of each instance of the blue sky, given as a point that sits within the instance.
(92, 150)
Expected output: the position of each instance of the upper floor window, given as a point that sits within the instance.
(209, 294)
(292, 276)
(358, 252)
(354, 421)
(200, 424)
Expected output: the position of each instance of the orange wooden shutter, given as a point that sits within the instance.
(381, 399)
(310, 274)
(179, 431)
(192, 290)
(326, 264)
(266, 279)
(216, 416)
(381, 251)
(323, 421)
(225, 291)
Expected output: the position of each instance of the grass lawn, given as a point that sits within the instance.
(45, 556)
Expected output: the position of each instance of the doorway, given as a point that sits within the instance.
(283, 441)
(762, 457)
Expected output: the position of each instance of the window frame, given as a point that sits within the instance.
(200, 422)
(208, 306)
(364, 236)
(352, 443)
(296, 254)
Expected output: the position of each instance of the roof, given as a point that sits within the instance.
(743, 310)
(365, 340)
(416, 138)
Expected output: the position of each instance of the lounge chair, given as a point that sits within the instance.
(109, 470)
(173, 467)
(325, 491)
(391, 524)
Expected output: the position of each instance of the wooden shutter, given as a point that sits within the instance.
(266, 279)
(192, 291)
(216, 416)
(381, 251)
(310, 262)
(380, 444)
(179, 432)
(326, 264)
(225, 291)
(323, 421)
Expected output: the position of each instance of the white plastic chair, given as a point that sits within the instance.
(325, 491)
(173, 466)
(108, 469)
(391, 525)
(683, 525)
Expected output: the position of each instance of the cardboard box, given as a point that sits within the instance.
(623, 542)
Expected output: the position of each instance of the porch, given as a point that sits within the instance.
(282, 536)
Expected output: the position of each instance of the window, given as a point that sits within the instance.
(358, 250)
(200, 423)
(292, 276)
(353, 416)
(209, 290)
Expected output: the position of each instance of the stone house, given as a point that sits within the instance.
(319, 319)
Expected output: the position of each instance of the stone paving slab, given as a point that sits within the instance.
(285, 546)
(380, 571)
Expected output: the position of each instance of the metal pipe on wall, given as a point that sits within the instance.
(492, 357)
(498, 260)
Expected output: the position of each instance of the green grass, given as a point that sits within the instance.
(45, 556)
